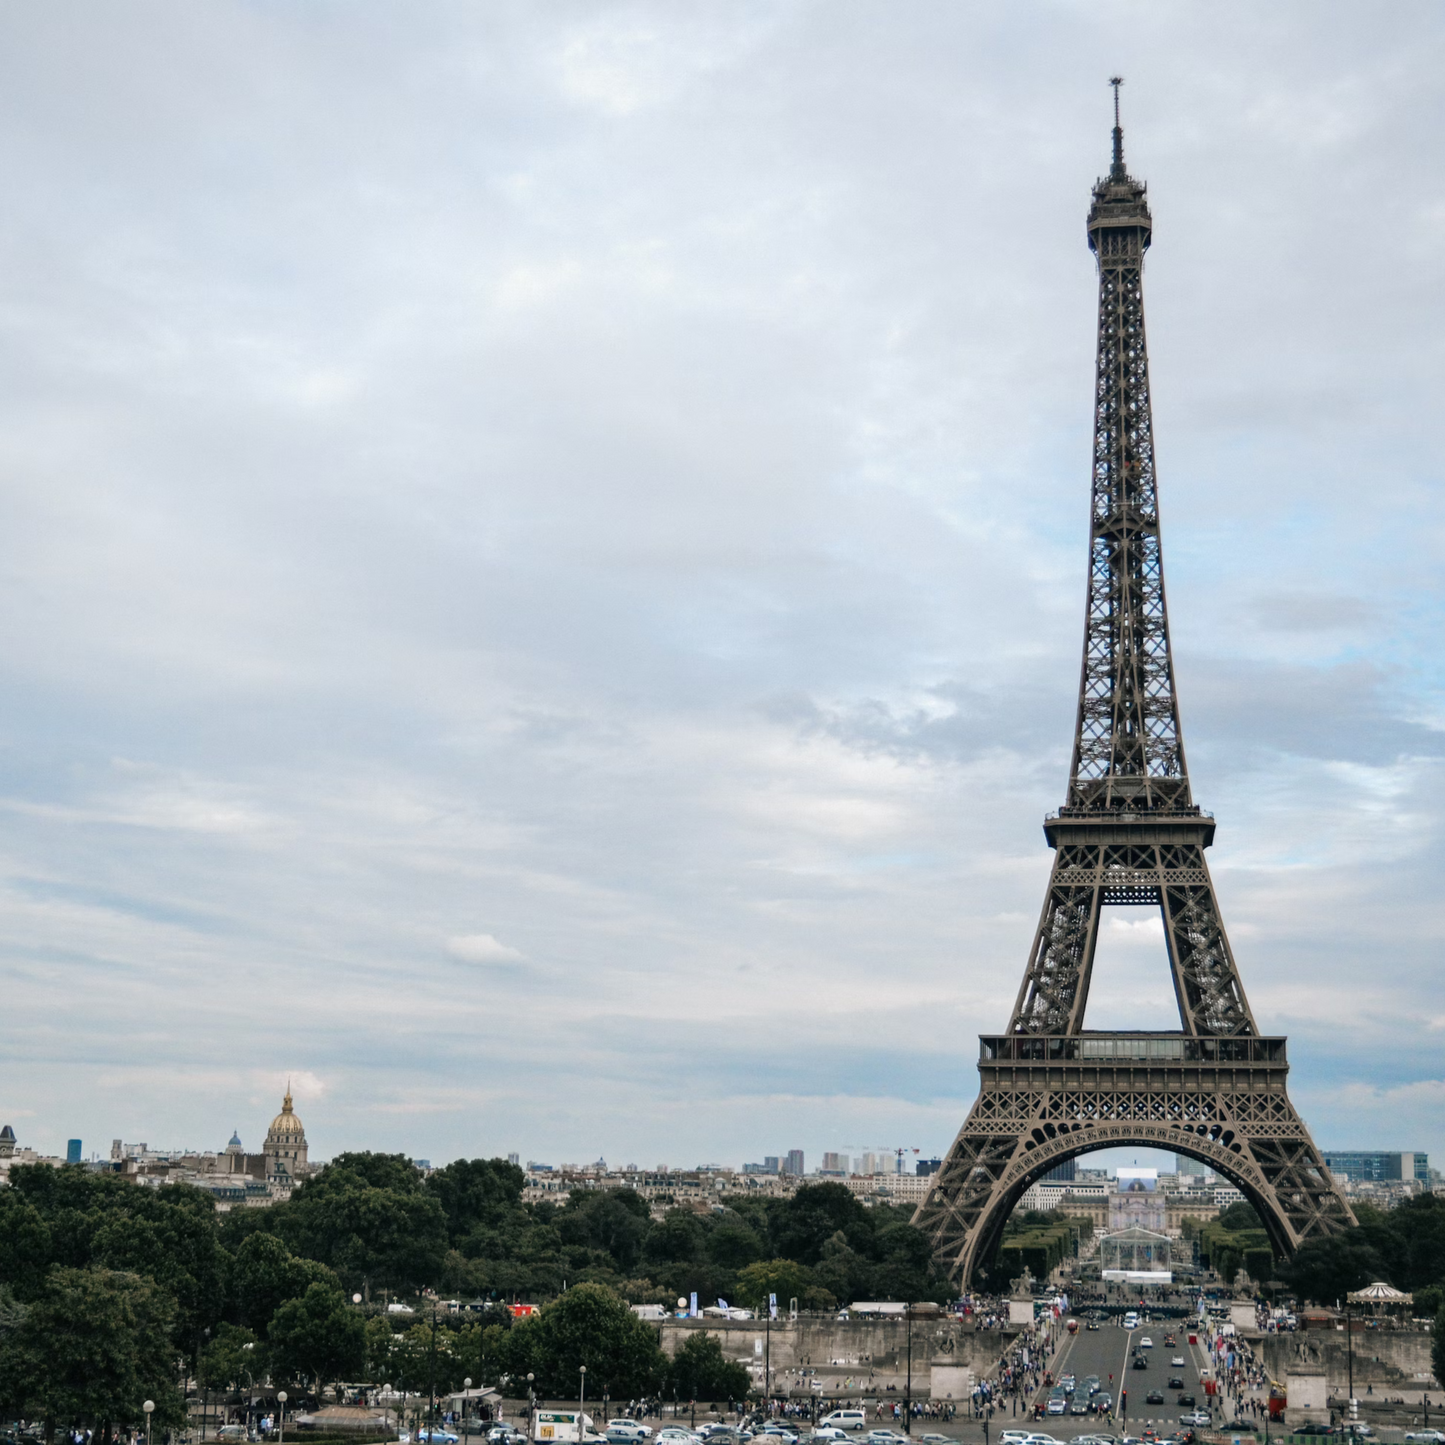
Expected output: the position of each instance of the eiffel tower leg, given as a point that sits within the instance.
(1237, 1120)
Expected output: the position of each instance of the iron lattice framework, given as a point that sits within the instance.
(1130, 833)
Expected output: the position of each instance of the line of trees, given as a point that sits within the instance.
(109, 1291)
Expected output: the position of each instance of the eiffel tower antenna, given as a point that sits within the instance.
(1117, 170)
(1129, 833)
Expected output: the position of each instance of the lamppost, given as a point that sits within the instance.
(148, 1407)
(386, 1394)
(582, 1404)
(466, 1391)
(280, 1415)
(531, 1403)
(908, 1384)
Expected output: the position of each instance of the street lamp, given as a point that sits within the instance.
(531, 1402)
(148, 1407)
(582, 1405)
(281, 1415)
(385, 1394)
(466, 1390)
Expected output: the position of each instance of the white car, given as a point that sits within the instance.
(625, 1432)
(1199, 1417)
(673, 1436)
(1012, 1437)
(1145, 1343)
(1428, 1437)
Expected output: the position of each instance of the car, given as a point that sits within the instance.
(1141, 1362)
(1057, 1405)
(1103, 1404)
(828, 1432)
(1174, 1382)
(1146, 1343)
(845, 1420)
(1092, 1325)
(1357, 1428)
(1177, 1362)
(1013, 1437)
(1313, 1429)
(780, 1432)
(1199, 1417)
(435, 1435)
(623, 1431)
(1427, 1437)
(1038, 1437)
(887, 1437)
(1185, 1398)
(935, 1440)
(1171, 1340)
(231, 1432)
(1091, 1384)
(1078, 1406)
(1154, 1397)
(675, 1436)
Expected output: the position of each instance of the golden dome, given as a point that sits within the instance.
(286, 1125)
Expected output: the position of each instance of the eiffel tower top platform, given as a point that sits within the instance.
(1129, 833)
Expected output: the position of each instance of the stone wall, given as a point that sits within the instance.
(1397, 1359)
(856, 1356)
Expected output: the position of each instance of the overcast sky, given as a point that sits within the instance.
(542, 556)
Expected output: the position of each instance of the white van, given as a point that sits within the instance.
(1131, 1320)
(845, 1420)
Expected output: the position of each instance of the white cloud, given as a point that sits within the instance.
(608, 476)
(481, 948)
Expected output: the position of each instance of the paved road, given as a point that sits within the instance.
(1107, 1353)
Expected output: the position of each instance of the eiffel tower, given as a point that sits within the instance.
(1130, 833)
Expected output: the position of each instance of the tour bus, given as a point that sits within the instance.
(559, 1425)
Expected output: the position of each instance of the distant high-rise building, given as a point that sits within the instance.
(1378, 1166)
(1064, 1173)
(794, 1163)
(770, 1164)
(928, 1166)
(834, 1164)
(514, 1159)
(72, 1151)
(1183, 1164)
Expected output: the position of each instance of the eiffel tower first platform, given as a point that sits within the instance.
(1130, 833)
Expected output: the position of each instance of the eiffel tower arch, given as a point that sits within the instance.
(1129, 833)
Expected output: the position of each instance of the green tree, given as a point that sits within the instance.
(478, 1195)
(233, 1360)
(807, 1221)
(92, 1347)
(785, 1278)
(263, 1275)
(319, 1336)
(589, 1325)
(700, 1371)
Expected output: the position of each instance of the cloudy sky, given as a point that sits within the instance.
(542, 556)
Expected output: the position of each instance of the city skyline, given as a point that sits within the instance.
(545, 597)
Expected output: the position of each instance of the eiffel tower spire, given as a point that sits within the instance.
(1129, 832)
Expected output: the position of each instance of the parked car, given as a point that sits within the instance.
(1426, 1437)
(436, 1435)
(845, 1420)
(231, 1432)
(1199, 1417)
